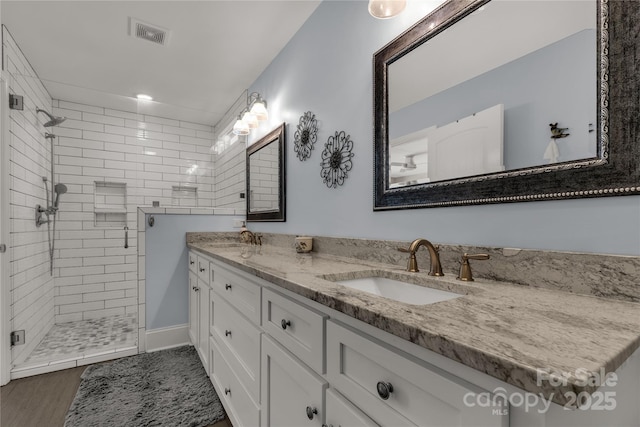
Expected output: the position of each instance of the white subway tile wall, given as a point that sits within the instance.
(230, 176)
(265, 179)
(132, 160)
(32, 287)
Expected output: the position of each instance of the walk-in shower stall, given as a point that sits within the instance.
(80, 177)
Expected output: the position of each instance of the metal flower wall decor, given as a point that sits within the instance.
(306, 135)
(336, 159)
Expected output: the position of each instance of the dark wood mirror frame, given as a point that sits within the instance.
(614, 172)
(276, 136)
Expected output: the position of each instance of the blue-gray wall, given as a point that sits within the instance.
(167, 265)
(326, 68)
(557, 83)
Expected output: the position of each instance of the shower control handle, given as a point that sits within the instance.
(126, 237)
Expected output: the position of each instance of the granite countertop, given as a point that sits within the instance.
(504, 330)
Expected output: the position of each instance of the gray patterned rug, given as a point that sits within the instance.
(165, 388)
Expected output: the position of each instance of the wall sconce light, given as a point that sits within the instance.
(252, 115)
(383, 9)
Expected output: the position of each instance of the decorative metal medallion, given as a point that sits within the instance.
(336, 159)
(306, 135)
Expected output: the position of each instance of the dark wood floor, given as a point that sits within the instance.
(43, 400)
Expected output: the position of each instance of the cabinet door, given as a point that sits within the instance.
(342, 413)
(203, 324)
(241, 409)
(239, 340)
(194, 309)
(395, 389)
(193, 260)
(292, 394)
(203, 269)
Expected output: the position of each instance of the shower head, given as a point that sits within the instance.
(53, 120)
(59, 189)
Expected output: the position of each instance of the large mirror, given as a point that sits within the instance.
(266, 199)
(506, 101)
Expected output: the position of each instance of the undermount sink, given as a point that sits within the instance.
(398, 291)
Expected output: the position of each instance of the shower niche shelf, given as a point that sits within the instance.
(110, 204)
(184, 195)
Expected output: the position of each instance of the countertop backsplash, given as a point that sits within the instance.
(607, 276)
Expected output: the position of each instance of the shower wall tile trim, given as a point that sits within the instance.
(96, 276)
(31, 286)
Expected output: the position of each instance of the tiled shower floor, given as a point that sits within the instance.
(83, 341)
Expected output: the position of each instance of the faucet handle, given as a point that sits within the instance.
(405, 250)
(465, 267)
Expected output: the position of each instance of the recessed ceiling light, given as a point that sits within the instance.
(143, 97)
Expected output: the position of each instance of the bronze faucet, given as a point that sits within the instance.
(465, 267)
(434, 257)
(247, 236)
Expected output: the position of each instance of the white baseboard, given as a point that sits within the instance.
(160, 339)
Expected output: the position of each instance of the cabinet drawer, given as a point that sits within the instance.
(241, 293)
(293, 392)
(241, 409)
(363, 370)
(193, 261)
(239, 341)
(203, 269)
(298, 328)
(341, 413)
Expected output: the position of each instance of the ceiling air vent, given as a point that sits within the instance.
(152, 33)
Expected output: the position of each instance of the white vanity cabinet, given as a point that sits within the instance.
(272, 359)
(294, 394)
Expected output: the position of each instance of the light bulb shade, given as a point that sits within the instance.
(250, 119)
(259, 110)
(240, 128)
(383, 9)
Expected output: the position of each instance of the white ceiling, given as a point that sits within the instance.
(83, 52)
(500, 32)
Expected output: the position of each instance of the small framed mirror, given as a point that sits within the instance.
(266, 195)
